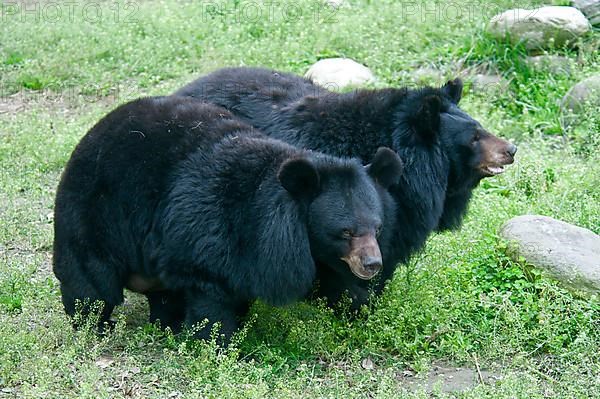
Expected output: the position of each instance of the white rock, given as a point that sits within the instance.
(335, 3)
(567, 253)
(589, 8)
(428, 75)
(540, 27)
(574, 104)
(338, 73)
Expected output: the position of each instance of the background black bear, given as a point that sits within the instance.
(178, 200)
(445, 151)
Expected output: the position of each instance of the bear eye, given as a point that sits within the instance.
(475, 138)
(378, 231)
(346, 233)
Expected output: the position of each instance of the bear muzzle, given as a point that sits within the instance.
(496, 155)
(364, 258)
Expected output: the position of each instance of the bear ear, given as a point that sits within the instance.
(426, 121)
(453, 89)
(299, 177)
(306, 103)
(386, 167)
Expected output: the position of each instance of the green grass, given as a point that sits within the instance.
(460, 300)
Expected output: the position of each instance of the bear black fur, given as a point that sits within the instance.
(180, 201)
(445, 151)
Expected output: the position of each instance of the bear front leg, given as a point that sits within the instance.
(201, 305)
(168, 307)
(333, 286)
(358, 295)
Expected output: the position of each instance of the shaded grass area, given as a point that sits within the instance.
(461, 301)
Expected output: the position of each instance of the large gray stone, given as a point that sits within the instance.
(579, 99)
(338, 73)
(554, 64)
(567, 253)
(428, 75)
(541, 27)
(589, 8)
(484, 83)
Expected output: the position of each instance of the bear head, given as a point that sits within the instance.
(432, 118)
(345, 207)
(474, 153)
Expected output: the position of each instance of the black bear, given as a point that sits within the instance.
(180, 201)
(445, 151)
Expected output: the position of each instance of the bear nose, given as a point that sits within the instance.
(511, 150)
(372, 264)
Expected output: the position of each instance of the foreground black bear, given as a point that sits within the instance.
(445, 151)
(177, 200)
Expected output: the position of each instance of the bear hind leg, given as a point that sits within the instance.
(93, 288)
(200, 306)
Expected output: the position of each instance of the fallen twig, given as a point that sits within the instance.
(478, 369)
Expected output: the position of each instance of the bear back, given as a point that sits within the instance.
(119, 171)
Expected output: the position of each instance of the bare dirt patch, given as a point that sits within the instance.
(448, 378)
(64, 103)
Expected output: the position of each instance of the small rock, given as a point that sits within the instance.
(573, 104)
(408, 373)
(567, 253)
(484, 83)
(541, 27)
(554, 64)
(589, 8)
(104, 362)
(367, 364)
(338, 73)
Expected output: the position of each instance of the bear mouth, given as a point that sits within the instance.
(492, 170)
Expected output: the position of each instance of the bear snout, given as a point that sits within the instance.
(372, 264)
(496, 154)
(364, 258)
(511, 150)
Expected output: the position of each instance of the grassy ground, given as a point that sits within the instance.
(460, 303)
